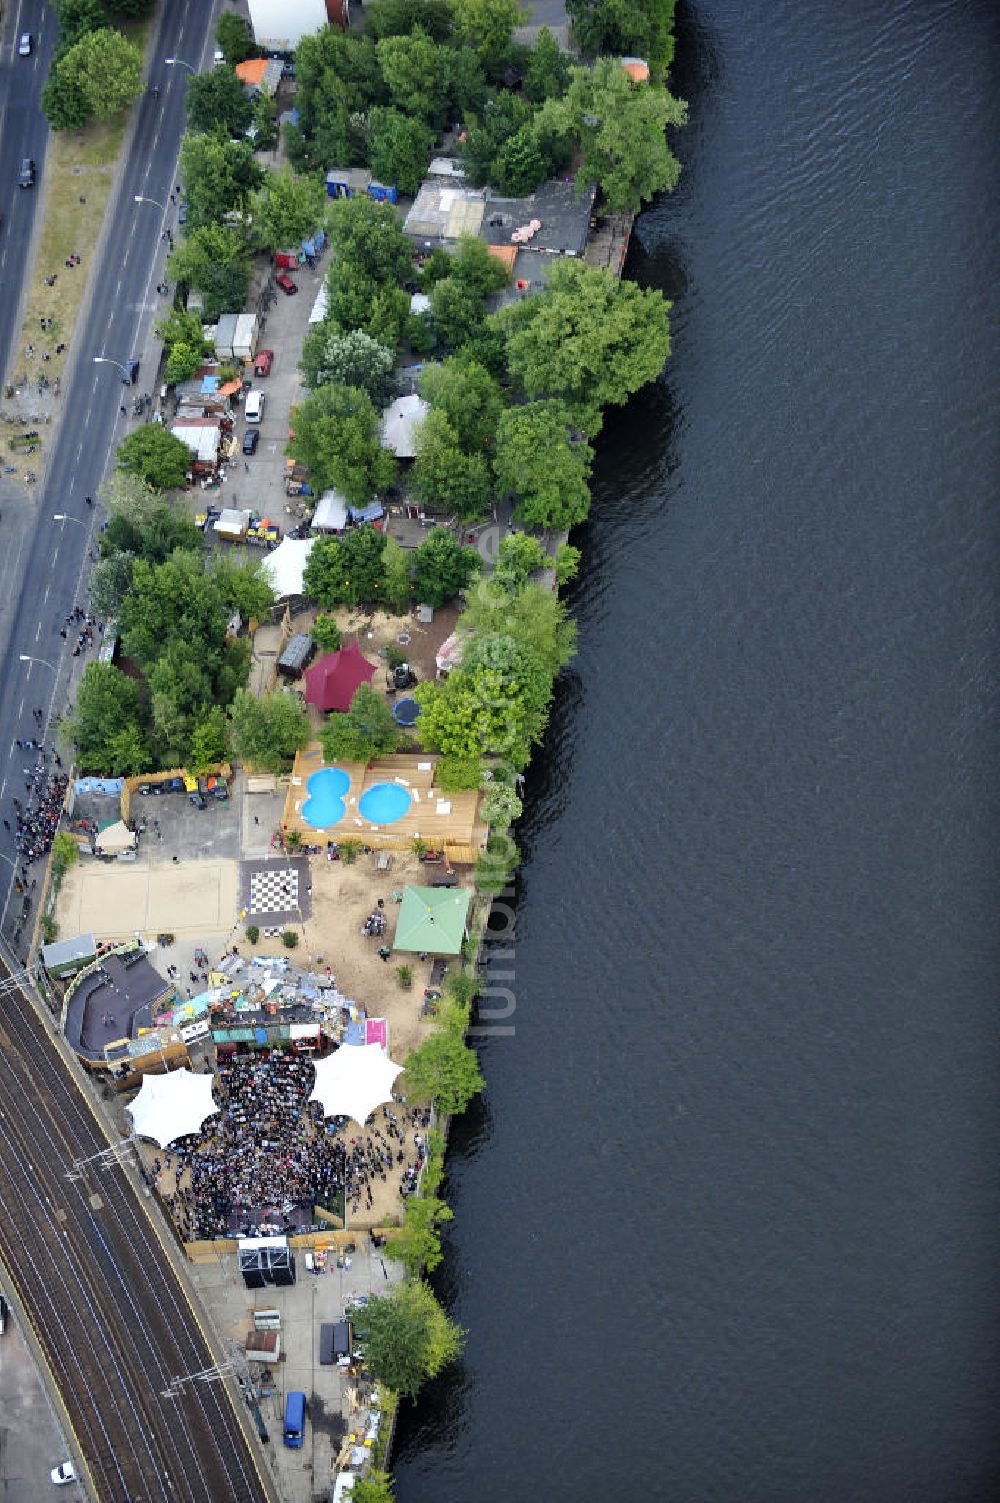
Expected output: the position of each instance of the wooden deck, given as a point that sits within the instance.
(446, 821)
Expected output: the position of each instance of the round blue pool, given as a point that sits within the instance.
(325, 804)
(384, 803)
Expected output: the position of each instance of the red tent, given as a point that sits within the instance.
(331, 683)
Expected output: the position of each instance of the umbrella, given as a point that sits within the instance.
(171, 1106)
(354, 1081)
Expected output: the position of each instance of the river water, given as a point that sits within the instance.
(727, 1219)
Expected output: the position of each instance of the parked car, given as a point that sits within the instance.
(131, 372)
(262, 364)
(63, 1474)
(250, 438)
(26, 176)
(286, 284)
(26, 44)
(198, 799)
(182, 212)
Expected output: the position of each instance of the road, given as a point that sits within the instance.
(23, 133)
(101, 1295)
(43, 567)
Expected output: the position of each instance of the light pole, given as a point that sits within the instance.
(107, 360)
(178, 62)
(142, 198)
(27, 658)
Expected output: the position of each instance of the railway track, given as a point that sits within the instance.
(102, 1297)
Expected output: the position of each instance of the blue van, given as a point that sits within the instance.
(295, 1419)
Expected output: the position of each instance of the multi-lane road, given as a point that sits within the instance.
(100, 1293)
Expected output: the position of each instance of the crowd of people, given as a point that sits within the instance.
(269, 1158)
(36, 820)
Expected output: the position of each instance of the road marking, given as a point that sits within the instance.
(3, 788)
(47, 589)
(38, 633)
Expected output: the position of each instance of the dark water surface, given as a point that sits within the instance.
(728, 1219)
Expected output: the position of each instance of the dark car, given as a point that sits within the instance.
(182, 213)
(26, 176)
(198, 799)
(131, 372)
(250, 438)
(286, 284)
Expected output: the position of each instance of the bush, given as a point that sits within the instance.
(350, 850)
(404, 975)
(252, 933)
(289, 939)
(50, 929)
(325, 633)
(65, 851)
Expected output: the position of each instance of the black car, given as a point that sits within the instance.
(26, 176)
(182, 213)
(250, 438)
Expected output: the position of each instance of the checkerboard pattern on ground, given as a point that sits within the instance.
(274, 891)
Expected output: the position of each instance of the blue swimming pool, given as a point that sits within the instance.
(325, 805)
(384, 803)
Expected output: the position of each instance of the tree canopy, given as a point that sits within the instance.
(213, 260)
(218, 174)
(417, 84)
(155, 456)
(535, 617)
(445, 478)
(94, 79)
(337, 435)
(364, 731)
(287, 209)
(268, 732)
(547, 73)
(443, 567)
(333, 358)
(407, 1336)
(621, 130)
(537, 459)
(518, 557)
(348, 570)
(487, 26)
(469, 397)
(625, 28)
(443, 1069)
(399, 148)
(234, 39)
(218, 101)
(104, 724)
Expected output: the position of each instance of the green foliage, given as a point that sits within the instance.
(407, 1337)
(445, 1070)
(110, 581)
(539, 462)
(456, 312)
(419, 1246)
(243, 586)
(219, 176)
(443, 567)
(263, 128)
(154, 455)
(62, 101)
(469, 397)
(496, 703)
(397, 18)
(332, 358)
(364, 731)
(621, 130)
(487, 26)
(376, 1487)
(50, 929)
(131, 7)
(496, 865)
(268, 732)
(474, 268)
(234, 39)
(103, 71)
(209, 740)
(338, 80)
(348, 570)
(218, 101)
(289, 938)
(501, 806)
(325, 633)
(520, 164)
(350, 850)
(458, 774)
(65, 851)
(535, 617)
(141, 523)
(588, 339)
(625, 28)
(399, 148)
(518, 557)
(287, 208)
(547, 74)
(252, 933)
(369, 236)
(462, 988)
(337, 435)
(417, 84)
(404, 975)
(567, 563)
(182, 363)
(499, 119)
(76, 18)
(182, 327)
(443, 477)
(214, 260)
(105, 723)
(396, 567)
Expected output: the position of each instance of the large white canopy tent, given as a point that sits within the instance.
(354, 1081)
(286, 566)
(171, 1106)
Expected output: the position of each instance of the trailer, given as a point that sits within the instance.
(245, 336)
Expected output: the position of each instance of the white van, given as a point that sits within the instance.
(254, 409)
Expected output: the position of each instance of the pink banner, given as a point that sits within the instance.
(375, 1032)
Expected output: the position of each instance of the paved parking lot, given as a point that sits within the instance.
(185, 831)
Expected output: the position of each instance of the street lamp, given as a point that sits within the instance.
(27, 658)
(106, 360)
(142, 198)
(178, 62)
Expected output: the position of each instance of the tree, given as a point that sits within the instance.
(493, 707)
(332, 358)
(416, 82)
(443, 1069)
(442, 567)
(458, 774)
(348, 570)
(537, 460)
(287, 208)
(110, 581)
(469, 397)
(338, 80)
(399, 148)
(174, 602)
(364, 731)
(419, 1247)
(106, 70)
(444, 478)
(104, 724)
(234, 39)
(368, 236)
(547, 74)
(456, 312)
(182, 327)
(625, 28)
(520, 164)
(65, 851)
(397, 576)
(620, 127)
(376, 1487)
(213, 260)
(567, 563)
(587, 338)
(219, 176)
(397, 18)
(141, 523)
(499, 119)
(62, 102)
(408, 1338)
(500, 806)
(218, 101)
(337, 436)
(518, 557)
(475, 268)
(535, 617)
(156, 456)
(268, 732)
(487, 25)
(325, 633)
(132, 7)
(182, 363)
(76, 18)
(243, 586)
(209, 740)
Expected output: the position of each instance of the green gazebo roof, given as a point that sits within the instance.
(432, 919)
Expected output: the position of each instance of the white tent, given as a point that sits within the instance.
(354, 1081)
(171, 1106)
(286, 565)
(331, 513)
(400, 422)
(116, 837)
